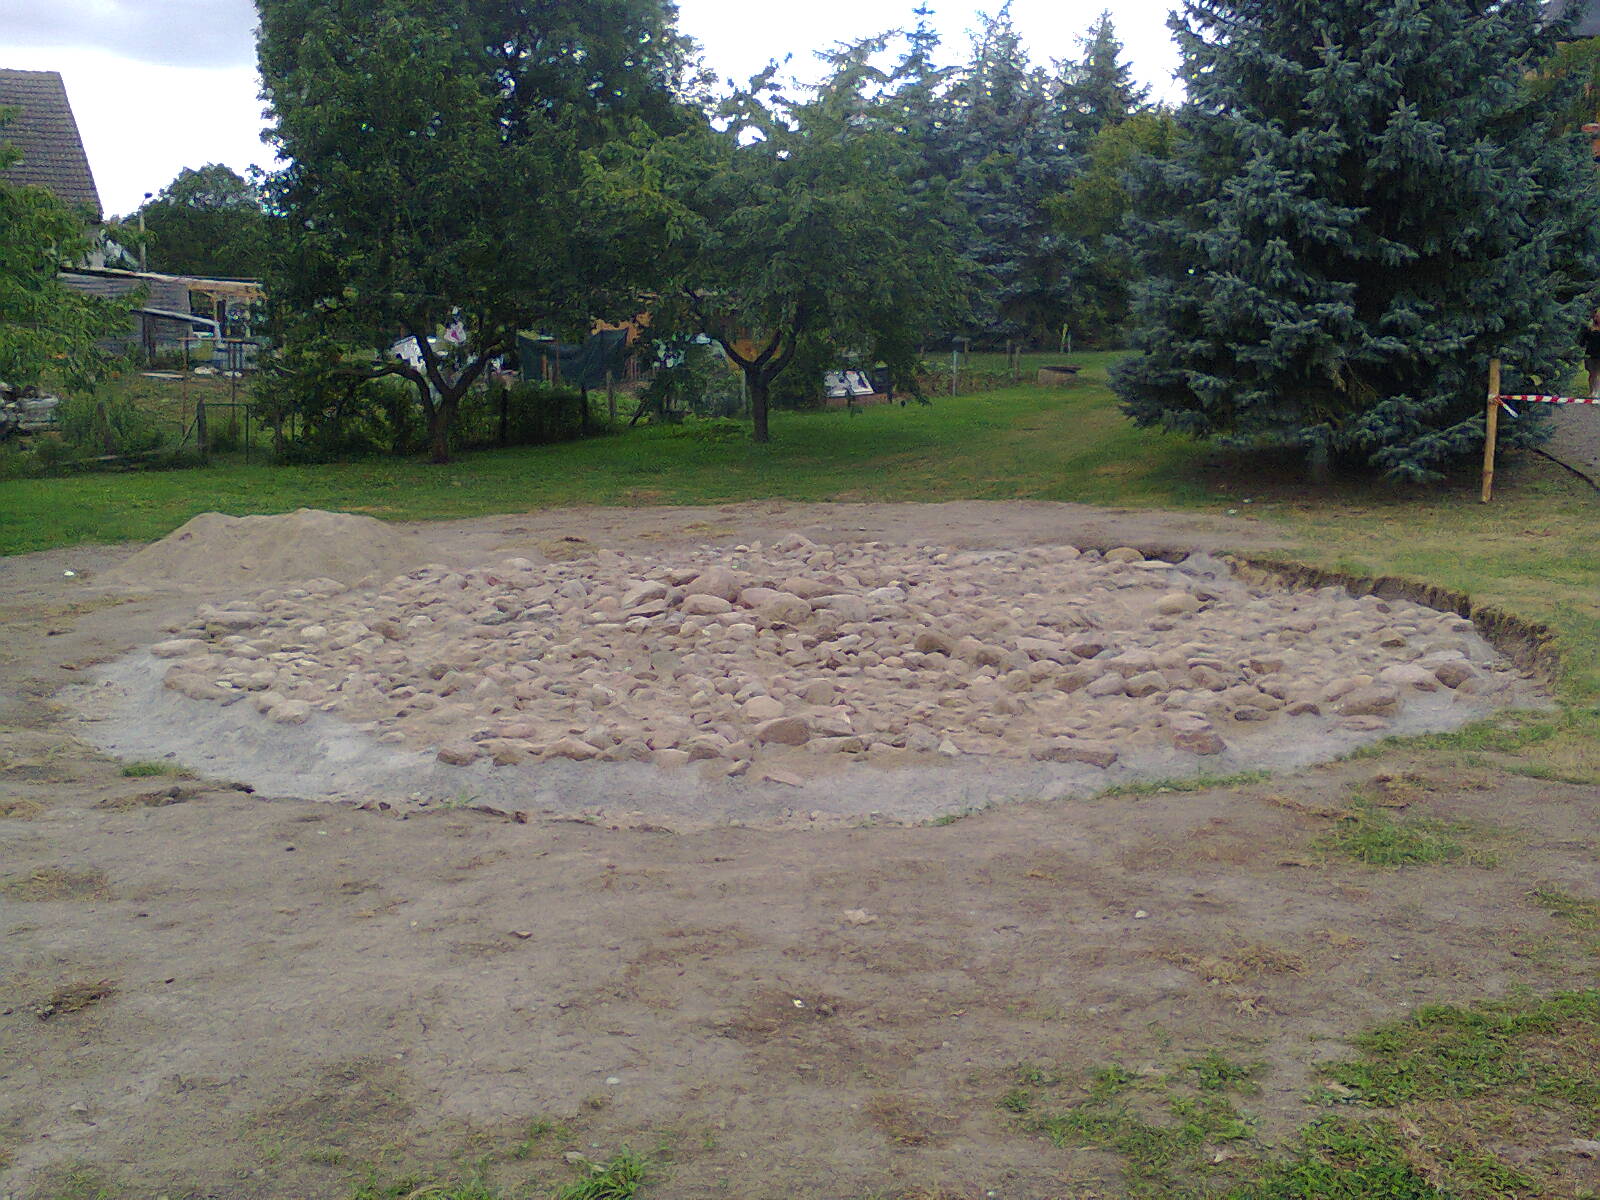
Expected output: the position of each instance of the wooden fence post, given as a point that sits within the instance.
(1491, 426)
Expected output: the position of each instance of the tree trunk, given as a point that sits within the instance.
(758, 405)
(439, 422)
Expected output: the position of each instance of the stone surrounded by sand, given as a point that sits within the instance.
(859, 652)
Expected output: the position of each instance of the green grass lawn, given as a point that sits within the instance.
(1533, 551)
(1065, 444)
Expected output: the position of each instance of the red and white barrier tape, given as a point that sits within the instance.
(1545, 400)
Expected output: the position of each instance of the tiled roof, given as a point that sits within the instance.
(43, 128)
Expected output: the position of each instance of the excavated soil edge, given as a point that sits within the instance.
(1531, 645)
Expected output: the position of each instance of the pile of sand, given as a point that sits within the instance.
(218, 551)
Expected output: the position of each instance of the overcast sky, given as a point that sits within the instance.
(158, 85)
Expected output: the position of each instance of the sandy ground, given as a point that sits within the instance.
(1575, 441)
(302, 987)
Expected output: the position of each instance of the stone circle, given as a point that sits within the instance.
(864, 652)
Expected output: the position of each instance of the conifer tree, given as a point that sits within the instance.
(1007, 154)
(1097, 90)
(1366, 204)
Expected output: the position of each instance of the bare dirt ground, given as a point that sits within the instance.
(1575, 442)
(273, 993)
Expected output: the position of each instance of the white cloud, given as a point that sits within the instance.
(172, 32)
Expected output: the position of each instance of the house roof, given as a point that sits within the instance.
(1585, 15)
(42, 127)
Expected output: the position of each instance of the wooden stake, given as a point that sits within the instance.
(1491, 425)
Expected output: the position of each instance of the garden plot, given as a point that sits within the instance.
(693, 682)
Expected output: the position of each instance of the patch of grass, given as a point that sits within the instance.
(20, 809)
(1214, 1073)
(83, 1183)
(1173, 1142)
(1548, 1049)
(1342, 1159)
(1187, 783)
(620, 1178)
(1576, 911)
(1111, 1081)
(148, 770)
(1033, 1075)
(1469, 1103)
(54, 883)
(1017, 1100)
(74, 997)
(416, 1188)
(326, 1156)
(541, 1131)
(1373, 836)
(1482, 1094)
(1016, 443)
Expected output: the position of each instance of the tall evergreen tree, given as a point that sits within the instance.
(1365, 205)
(1097, 89)
(1007, 154)
(917, 100)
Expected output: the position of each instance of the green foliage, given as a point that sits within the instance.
(1372, 836)
(1568, 80)
(534, 414)
(1443, 1052)
(45, 325)
(618, 1179)
(699, 381)
(798, 221)
(325, 401)
(1341, 1159)
(1349, 183)
(1092, 212)
(94, 424)
(437, 173)
(1097, 90)
(208, 221)
(1006, 148)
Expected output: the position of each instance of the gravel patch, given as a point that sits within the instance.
(795, 681)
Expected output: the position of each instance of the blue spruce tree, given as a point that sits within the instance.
(1004, 146)
(1367, 203)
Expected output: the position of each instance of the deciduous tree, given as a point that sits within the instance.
(800, 220)
(45, 325)
(208, 221)
(438, 155)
